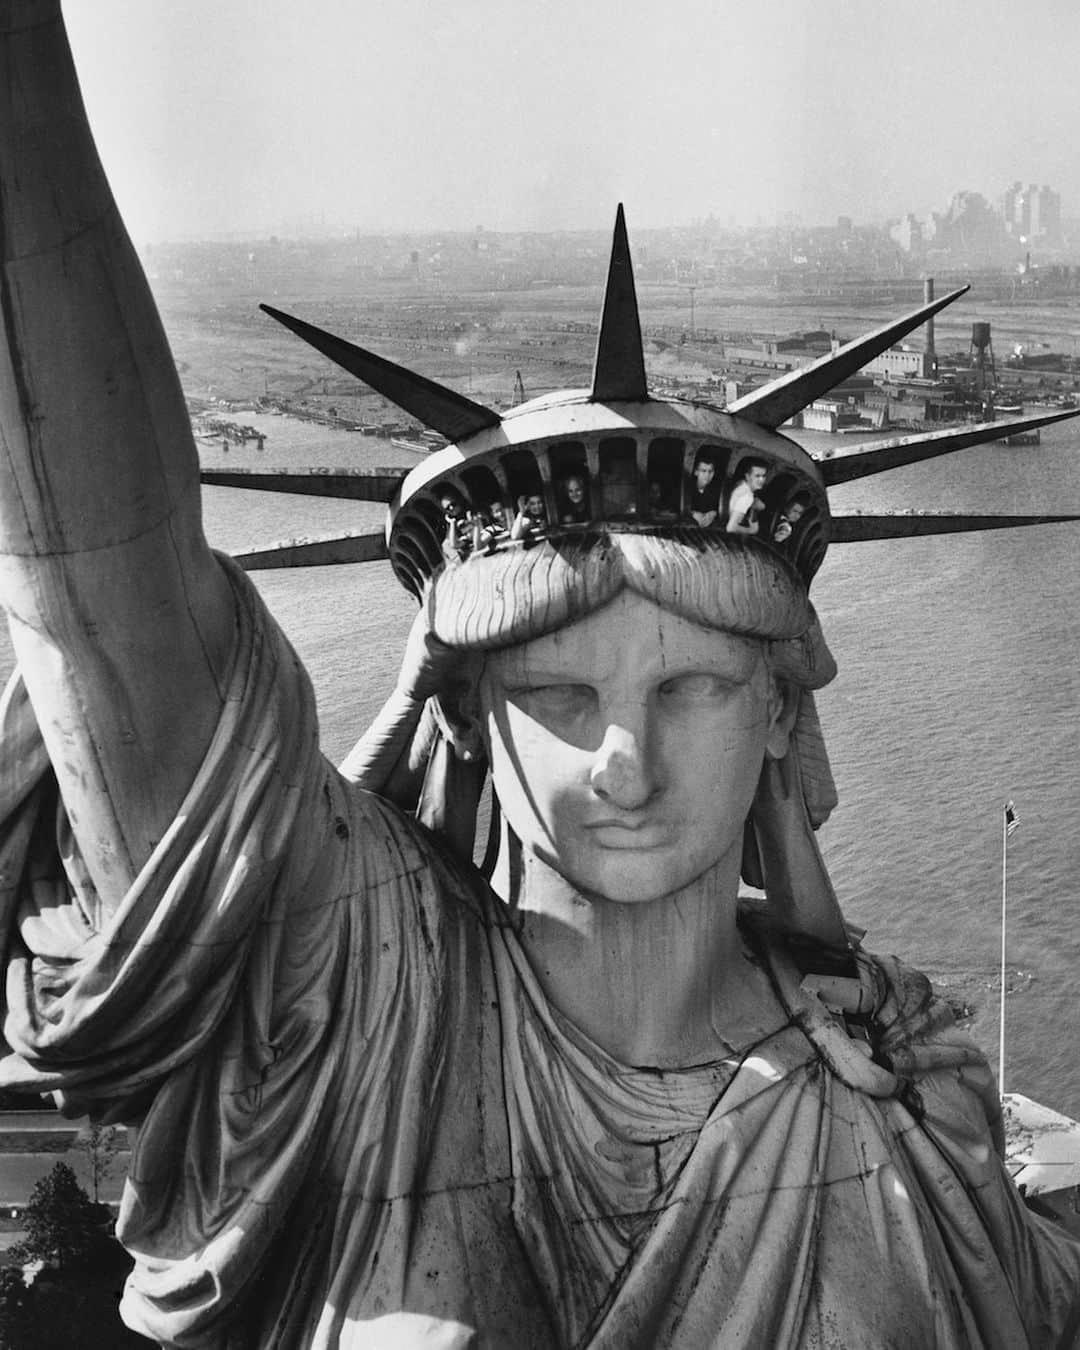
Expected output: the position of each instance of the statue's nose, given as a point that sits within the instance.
(622, 772)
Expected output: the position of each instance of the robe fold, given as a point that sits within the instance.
(359, 1122)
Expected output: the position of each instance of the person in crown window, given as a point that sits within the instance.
(531, 520)
(574, 504)
(703, 505)
(745, 504)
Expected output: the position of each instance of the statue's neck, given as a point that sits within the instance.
(667, 982)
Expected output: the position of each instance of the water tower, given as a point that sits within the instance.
(981, 355)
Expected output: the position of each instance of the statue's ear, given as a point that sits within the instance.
(783, 710)
(457, 710)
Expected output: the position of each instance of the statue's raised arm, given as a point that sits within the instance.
(121, 619)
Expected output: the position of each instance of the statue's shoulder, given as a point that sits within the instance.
(883, 1030)
(395, 849)
(907, 1009)
(941, 1072)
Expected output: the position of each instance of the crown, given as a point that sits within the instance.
(567, 465)
(615, 458)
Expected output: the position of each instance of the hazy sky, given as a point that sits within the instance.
(220, 115)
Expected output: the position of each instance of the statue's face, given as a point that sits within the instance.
(625, 749)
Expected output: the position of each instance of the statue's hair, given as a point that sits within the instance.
(728, 582)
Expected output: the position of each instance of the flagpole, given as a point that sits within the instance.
(1001, 1025)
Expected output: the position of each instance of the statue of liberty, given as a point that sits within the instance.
(592, 1093)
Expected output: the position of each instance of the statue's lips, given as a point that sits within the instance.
(628, 834)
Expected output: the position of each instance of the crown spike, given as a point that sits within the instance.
(357, 485)
(880, 456)
(859, 527)
(619, 368)
(772, 404)
(328, 551)
(443, 410)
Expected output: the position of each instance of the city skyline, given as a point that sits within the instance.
(221, 118)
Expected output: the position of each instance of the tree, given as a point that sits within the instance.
(72, 1302)
(101, 1144)
(64, 1227)
(16, 1313)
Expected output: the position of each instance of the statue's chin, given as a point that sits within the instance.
(623, 876)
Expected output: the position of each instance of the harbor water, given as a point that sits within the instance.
(959, 688)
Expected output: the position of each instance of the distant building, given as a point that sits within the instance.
(1016, 209)
(901, 363)
(908, 234)
(970, 225)
(1032, 213)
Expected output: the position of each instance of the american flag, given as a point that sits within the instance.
(1012, 820)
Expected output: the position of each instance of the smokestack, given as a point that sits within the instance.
(928, 296)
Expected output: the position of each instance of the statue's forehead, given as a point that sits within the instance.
(631, 635)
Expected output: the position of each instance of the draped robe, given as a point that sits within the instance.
(359, 1122)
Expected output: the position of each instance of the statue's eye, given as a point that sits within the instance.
(556, 702)
(696, 685)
